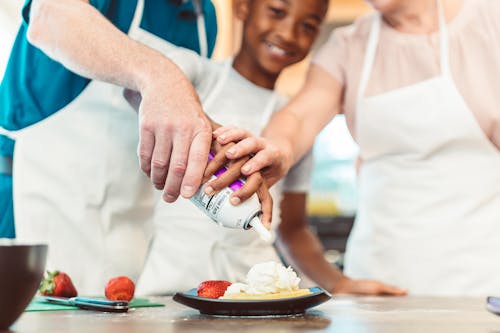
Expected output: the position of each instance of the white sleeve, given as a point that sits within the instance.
(190, 62)
(298, 178)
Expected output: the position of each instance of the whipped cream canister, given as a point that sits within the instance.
(219, 209)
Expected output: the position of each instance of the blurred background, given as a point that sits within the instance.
(332, 200)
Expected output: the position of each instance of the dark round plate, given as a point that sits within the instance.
(274, 307)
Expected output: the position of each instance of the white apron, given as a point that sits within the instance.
(188, 247)
(429, 188)
(78, 185)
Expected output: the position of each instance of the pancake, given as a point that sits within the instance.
(269, 296)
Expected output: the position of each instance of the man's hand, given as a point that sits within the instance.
(366, 287)
(175, 137)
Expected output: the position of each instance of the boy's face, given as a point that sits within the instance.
(278, 33)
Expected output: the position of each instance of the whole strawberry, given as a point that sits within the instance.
(213, 288)
(58, 284)
(120, 289)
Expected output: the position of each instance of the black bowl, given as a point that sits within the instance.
(21, 269)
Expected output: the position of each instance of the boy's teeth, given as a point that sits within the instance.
(277, 50)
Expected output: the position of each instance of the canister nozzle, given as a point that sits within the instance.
(260, 229)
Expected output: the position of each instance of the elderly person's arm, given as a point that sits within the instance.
(291, 131)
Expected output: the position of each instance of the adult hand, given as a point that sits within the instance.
(175, 137)
(366, 287)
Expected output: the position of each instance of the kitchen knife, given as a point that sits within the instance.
(85, 303)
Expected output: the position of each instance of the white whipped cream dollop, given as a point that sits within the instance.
(266, 278)
(236, 288)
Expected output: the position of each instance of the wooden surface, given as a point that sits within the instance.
(341, 314)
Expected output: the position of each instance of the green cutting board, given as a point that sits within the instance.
(38, 304)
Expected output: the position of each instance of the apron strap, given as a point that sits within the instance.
(443, 41)
(10, 134)
(136, 21)
(371, 48)
(202, 33)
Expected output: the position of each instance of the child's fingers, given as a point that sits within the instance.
(231, 134)
(232, 174)
(251, 186)
(218, 161)
(266, 202)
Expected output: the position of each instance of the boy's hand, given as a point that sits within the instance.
(254, 183)
(267, 156)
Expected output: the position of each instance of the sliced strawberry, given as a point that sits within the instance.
(120, 289)
(58, 284)
(213, 288)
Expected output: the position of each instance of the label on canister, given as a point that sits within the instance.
(211, 204)
(219, 209)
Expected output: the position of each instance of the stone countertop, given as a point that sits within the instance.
(341, 314)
